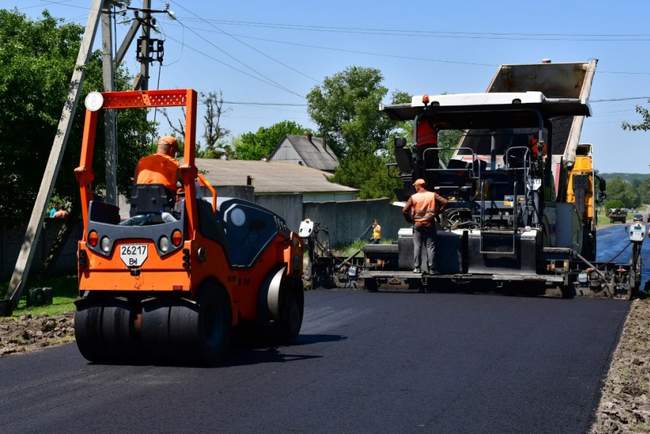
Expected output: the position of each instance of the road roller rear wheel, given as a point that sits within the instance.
(292, 306)
(87, 332)
(104, 331)
(154, 330)
(215, 324)
(183, 331)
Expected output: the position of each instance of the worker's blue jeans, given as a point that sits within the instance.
(424, 244)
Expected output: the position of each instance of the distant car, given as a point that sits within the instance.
(637, 218)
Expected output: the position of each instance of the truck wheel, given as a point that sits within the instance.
(370, 284)
(291, 312)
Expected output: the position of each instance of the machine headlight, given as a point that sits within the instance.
(163, 244)
(94, 101)
(105, 244)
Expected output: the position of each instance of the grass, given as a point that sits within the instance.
(349, 249)
(65, 292)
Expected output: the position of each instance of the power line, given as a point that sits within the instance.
(368, 53)
(279, 62)
(395, 56)
(517, 36)
(279, 104)
(234, 68)
(257, 73)
(631, 98)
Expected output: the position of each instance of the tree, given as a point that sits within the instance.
(260, 144)
(623, 191)
(36, 62)
(644, 125)
(214, 133)
(345, 108)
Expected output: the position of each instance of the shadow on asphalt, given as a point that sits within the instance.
(261, 351)
(245, 351)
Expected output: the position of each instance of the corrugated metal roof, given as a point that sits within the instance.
(314, 152)
(269, 176)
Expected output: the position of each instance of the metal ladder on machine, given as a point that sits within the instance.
(525, 170)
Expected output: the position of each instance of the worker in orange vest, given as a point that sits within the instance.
(421, 209)
(161, 167)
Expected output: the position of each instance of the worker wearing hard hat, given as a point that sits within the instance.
(376, 232)
(421, 209)
(161, 167)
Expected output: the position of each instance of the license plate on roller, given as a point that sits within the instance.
(134, 255)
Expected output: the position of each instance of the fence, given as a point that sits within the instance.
(346, 221)
(11, 238)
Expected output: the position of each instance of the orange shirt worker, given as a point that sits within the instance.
(161, 167)
(422, 208)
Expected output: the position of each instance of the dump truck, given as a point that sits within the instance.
(172, 280)
(521, 187)
(617, 215)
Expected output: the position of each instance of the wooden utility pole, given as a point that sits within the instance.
(28, 248)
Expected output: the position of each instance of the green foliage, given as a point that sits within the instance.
(643, 125)
(368, 173)
(36, 62)
(614, 203)
(623, 192)
(345, 108)
(260, 144)
(630, 177)
(447, 139)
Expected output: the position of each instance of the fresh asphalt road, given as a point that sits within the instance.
(384, 362)
(613, 242)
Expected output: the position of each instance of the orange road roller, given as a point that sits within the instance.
(173, 280)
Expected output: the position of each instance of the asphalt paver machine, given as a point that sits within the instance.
(172, 280)
(522, 190)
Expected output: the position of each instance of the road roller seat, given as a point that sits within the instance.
(151, 198)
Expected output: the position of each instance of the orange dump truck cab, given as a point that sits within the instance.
(172, 280)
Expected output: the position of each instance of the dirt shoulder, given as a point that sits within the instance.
(28, 332)
(625, 403)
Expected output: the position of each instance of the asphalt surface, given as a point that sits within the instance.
(385, 362)
(613, 243)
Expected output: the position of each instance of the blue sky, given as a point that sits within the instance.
(190, 60)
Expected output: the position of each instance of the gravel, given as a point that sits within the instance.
(28, 333)
(625, 403)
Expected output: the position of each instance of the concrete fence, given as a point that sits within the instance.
(11, 238)
(347, 220)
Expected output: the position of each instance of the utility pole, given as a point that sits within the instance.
(99, 9)
(28, 248)
(149, 49)
(110, 127)
(143, 47)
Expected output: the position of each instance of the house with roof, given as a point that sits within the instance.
(307, 151)
(281, 186)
